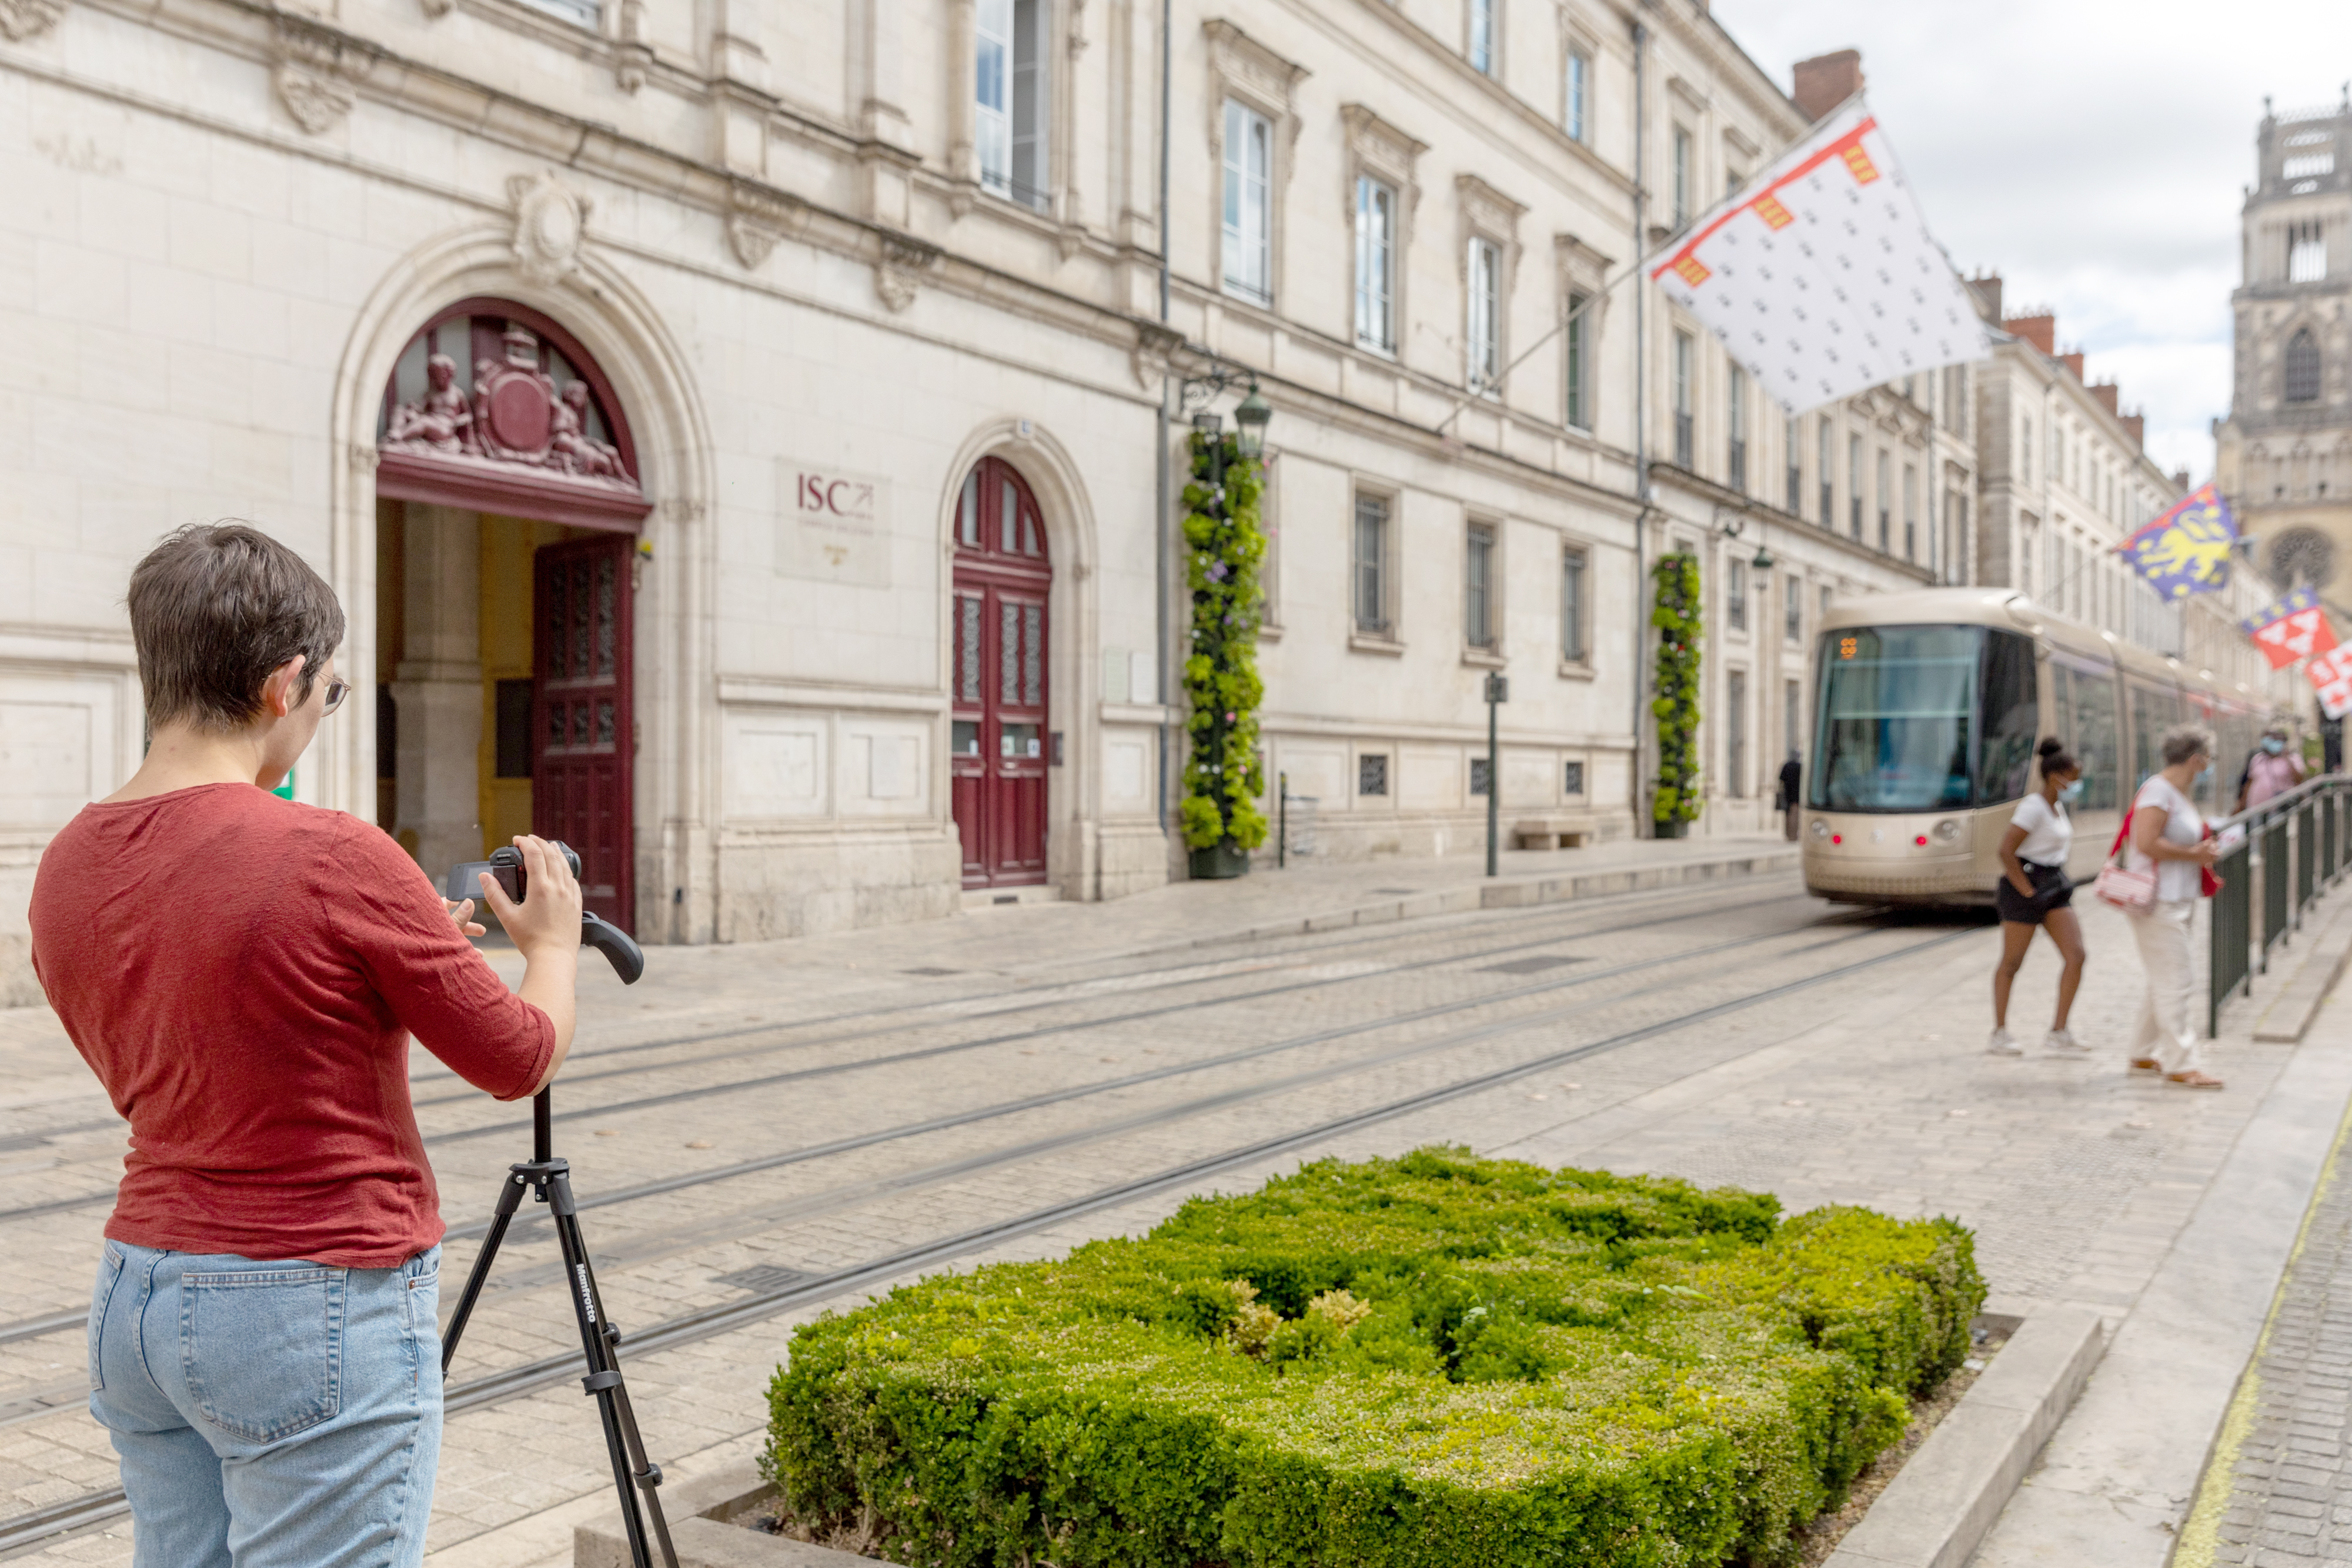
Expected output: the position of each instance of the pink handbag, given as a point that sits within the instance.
(2132, 891)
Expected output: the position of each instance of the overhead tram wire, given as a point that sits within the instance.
(102, 1506)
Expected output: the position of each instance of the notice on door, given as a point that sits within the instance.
(833, 525)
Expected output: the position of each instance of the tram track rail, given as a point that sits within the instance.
(61, 1322)
(31, 1529)
(1210, 974)
(1060, 993)
(93, 1199)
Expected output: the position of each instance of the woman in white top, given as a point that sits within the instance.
(2034, 890)
(2168, 836)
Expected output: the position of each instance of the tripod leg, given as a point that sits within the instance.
(649, 1474)
(622, 1441)
(509, 1196)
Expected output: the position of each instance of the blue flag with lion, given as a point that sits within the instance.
(2185, 549)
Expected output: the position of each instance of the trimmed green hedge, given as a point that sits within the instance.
(1436, 1362)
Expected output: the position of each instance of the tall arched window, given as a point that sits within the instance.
(2303, 367)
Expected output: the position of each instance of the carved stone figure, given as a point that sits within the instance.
(515, 418)
(551, 225)
(314, 68)
(440, 421)
(575, 451)
(25, 19)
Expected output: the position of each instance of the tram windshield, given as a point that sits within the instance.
(1922, 718)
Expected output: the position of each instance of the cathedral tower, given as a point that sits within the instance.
(2285, 455)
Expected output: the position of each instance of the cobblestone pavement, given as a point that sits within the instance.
(808, 1107)
(2276, 1490)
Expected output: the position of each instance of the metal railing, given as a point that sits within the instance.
(2294, 851)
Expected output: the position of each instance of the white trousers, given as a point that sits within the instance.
(2168, 1020)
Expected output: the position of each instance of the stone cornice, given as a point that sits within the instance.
(257, 32)
(1450, 60)
(1708, 490)
(1698, 30)
(1387, 423)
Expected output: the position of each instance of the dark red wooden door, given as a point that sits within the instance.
(583, 734)
(1001, 748)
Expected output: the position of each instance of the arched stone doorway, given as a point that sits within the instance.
(1000, 746)
(507, 508)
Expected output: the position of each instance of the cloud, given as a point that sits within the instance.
(2094, 153)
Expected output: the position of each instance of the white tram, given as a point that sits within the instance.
(1926, 710)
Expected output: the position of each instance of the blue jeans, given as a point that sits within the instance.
(277, 1414)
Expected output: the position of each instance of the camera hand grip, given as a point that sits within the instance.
(628, 959)
(505, 864)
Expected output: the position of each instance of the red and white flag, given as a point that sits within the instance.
(2331, 678)
(2293, 628)
(1821, 276)
(2296, 636)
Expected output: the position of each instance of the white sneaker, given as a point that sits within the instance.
(2063, 1039)
(2003, 1045)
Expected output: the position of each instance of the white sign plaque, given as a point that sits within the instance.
(833, 524)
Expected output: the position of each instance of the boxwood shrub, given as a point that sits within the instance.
(1432, 1362)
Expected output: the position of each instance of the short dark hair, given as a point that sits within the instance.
(2056, 758)
(214, 609)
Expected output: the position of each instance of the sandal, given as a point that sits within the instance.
(2193, 1080)
(2145, 1064)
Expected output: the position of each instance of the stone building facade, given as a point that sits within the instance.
(736, 431)
(2285, 454)
(2063, 480)
(1785, 513)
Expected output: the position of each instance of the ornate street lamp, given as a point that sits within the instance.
(1250, 421)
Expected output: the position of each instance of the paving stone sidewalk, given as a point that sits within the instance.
(2277, 1490)
(1873, 1090)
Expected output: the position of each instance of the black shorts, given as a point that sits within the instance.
(2051, 890)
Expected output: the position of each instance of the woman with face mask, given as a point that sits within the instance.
(2272, 770)
(2168, 836)
(2034, 891)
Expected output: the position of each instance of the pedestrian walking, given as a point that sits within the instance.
(1792, 781)
(2034, 891)
(2271, 770)
(2168, 836)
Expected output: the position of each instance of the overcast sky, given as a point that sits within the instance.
(2094, 152)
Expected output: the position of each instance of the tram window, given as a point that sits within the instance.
(2010, 713)
(2093, 739)
(2151, 717)
(1895, 730)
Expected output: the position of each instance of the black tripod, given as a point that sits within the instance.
(549, 1180)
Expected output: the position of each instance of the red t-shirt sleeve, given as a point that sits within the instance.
(438, 988)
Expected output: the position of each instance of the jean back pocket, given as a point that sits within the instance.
(262, 1348)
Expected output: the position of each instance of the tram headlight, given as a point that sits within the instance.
(1948, 831)
(1821, 828)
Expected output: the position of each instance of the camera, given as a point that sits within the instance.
(506, 868)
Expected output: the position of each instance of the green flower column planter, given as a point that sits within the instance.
(1674, 611)
(1222, 775)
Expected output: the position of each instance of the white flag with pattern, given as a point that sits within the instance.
(1820, 277)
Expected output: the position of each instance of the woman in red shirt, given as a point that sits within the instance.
(243, 973)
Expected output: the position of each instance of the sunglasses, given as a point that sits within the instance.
(337, 690)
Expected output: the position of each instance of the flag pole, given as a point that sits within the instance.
(1502, 377)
